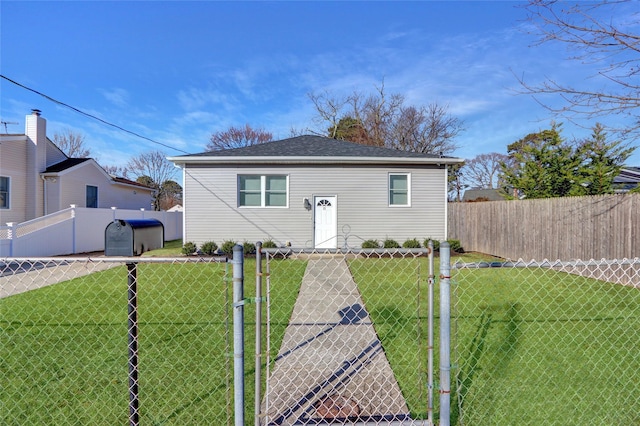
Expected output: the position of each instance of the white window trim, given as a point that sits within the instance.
(8, 193)
(263, 191)
(408, 175)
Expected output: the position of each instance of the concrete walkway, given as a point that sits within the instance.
(331, 366)
(19, 277)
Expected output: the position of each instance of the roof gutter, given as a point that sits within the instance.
(183, 160)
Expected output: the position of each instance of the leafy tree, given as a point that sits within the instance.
(455, 178)
(381, 119)
(237, 137)
(72, 144)
(601, 32)
(146, 180)
(170, 194)
(350, 129)
(485, 170)
(601, 162)
(543, 165)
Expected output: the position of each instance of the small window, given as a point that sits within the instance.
(5, 192)
(262, 191)
(399, 189)
(92, 197)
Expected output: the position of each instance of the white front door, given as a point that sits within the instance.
(325, 222)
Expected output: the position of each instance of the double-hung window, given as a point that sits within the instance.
(399, 189)
(5, 192)
(263, 190)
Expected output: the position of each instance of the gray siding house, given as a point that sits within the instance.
(313, 192)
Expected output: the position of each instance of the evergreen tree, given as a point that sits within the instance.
(542, 165)
(601, 162)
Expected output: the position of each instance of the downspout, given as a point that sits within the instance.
(44, 195)
(446, 202)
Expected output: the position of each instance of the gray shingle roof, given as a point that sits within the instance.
(312, 146)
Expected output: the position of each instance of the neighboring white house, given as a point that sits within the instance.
(314, 192)
(37, 178)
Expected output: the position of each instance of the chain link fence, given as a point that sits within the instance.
(553, 343)
(340, 337)
(64, 341)
(348, 338)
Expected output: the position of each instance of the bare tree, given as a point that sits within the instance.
(329, 108)
(154, 168)
(153, 164)
(484, 170)
(381, 119)
(71, 143)
(600, 33)
(237, 137)
(116, 171)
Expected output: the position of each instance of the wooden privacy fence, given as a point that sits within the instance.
(595, 227)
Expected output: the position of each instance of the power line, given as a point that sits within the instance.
(90, 116)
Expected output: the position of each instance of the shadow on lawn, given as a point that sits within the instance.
(477, 350)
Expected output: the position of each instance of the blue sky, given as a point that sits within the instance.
(175, 72)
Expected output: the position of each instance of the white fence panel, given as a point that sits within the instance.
(89, 228)
(52, 240)
(75, 230)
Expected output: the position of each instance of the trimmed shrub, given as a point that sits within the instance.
(455, 246)
(436, 244)
(371, 244)
(189, 248)
(269, 244)
(209, 248)
(411, 243)
(227, 247)
(249, 248)
(390, 243)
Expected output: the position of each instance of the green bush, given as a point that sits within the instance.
(455, 246)
(411, 243)
(371, 244)
(390, 243)
(436, 244)
(249, 248)
(209, 247)
(227, 247)
(269, 244)
(189, 248)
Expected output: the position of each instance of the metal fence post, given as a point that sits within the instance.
(73, 229)
(238, 334)
(445, 333)
(258, 377)
(132, 319)
(11, 236)
(430, 341)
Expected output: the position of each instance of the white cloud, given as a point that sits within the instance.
(118, 97)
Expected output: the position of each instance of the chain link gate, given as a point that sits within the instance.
(347, 337)
(63, 341)
(553, 343)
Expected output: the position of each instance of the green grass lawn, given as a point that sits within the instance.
(538, 346)
(532, 346)
(171, 248)
(64, 347)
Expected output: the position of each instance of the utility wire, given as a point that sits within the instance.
(89, 115)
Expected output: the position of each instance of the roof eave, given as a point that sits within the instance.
(314, 160)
